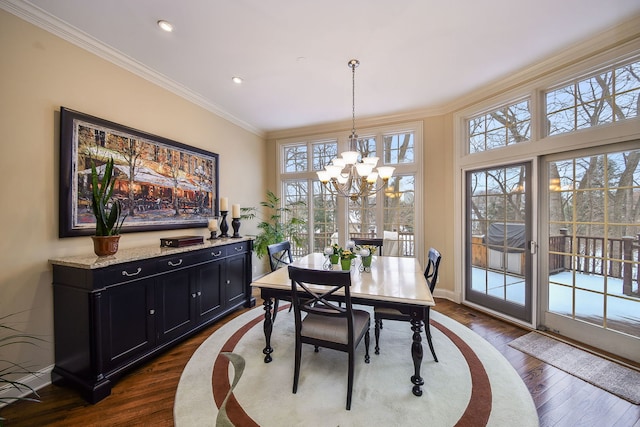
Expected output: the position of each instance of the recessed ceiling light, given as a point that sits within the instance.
(165, 25)
(236, 80)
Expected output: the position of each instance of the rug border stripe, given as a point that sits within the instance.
(478, 408)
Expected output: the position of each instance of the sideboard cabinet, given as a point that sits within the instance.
(113, 313)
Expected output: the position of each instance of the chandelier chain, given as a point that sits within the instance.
(359, 180)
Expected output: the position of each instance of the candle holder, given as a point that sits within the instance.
(224, 227)
(235, 223)
(213, 228)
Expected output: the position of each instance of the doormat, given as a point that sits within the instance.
(605, 374)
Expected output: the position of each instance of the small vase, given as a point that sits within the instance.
(346, 264)
(366, 261)
(105, 245)
(334, 259)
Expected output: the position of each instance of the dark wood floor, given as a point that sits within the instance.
(145, 396)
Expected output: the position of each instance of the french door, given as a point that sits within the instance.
(591, 233)
(498, 239)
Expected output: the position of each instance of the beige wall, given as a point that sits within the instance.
(39, 73)
(438, 195)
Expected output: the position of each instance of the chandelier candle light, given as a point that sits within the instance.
(359, 179)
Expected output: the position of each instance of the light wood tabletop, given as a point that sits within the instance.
(391, 279)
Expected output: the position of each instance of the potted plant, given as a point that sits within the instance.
(335, 256)
(108, 212)
(346, 255)
(280, 225)
(14, 389)
(366, 253)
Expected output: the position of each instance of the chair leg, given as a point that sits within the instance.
(296, 369)
(427, 331)
(376, 331)
(366, 347)
(350, 378)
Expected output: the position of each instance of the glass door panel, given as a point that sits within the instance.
(498, 271)
(593, 216)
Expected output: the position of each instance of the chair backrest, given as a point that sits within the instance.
(312, 291)
(279, 255)
(433, 264)
(370, 242)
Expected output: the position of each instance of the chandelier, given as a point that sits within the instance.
(351, 175)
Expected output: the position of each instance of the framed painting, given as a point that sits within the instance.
(162, 184)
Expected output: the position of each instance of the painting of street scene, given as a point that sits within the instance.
(161, 184)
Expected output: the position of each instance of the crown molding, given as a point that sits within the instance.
(621, 34)
(40, 18)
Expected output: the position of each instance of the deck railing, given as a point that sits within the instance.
(622, 257)
(406, 243)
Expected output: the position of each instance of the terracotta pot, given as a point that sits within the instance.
(105, 245)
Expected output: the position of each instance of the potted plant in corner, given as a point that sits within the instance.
(108, 212)
(281, 224)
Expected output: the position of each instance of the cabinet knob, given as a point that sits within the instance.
(193, 295)
(199, 293)
(228, 282)
(172, 264)
(152, 311)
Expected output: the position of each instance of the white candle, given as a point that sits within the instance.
(235, 211)
(213, 225)
(224, 203)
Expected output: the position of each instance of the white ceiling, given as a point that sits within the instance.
(293, 54)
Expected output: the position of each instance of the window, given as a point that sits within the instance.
(332, 219)
(501, 127)
(606, 97)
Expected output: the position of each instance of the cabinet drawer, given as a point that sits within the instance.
(215, 252)
(126, 272)
(177, 261)
(236, 248)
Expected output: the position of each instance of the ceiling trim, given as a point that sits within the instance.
(47, 22)
(618, 35)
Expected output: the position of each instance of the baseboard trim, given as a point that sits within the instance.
(36, 381)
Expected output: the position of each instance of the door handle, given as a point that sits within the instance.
(533, 247)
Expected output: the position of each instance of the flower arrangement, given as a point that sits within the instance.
(347, 254)
(367, 249)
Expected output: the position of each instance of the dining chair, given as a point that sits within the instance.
(326, 324)
(358, 241)
(383, 313)
(279, 256)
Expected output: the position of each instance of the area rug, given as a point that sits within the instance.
(610, 376)
(226, 381)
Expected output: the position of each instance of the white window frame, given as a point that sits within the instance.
(342, 137)
(539, 145)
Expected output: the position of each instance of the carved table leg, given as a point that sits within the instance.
(268, 328)
(416, 354)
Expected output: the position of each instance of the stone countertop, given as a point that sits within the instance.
(91, 261)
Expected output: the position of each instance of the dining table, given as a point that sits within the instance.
(394, 282)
